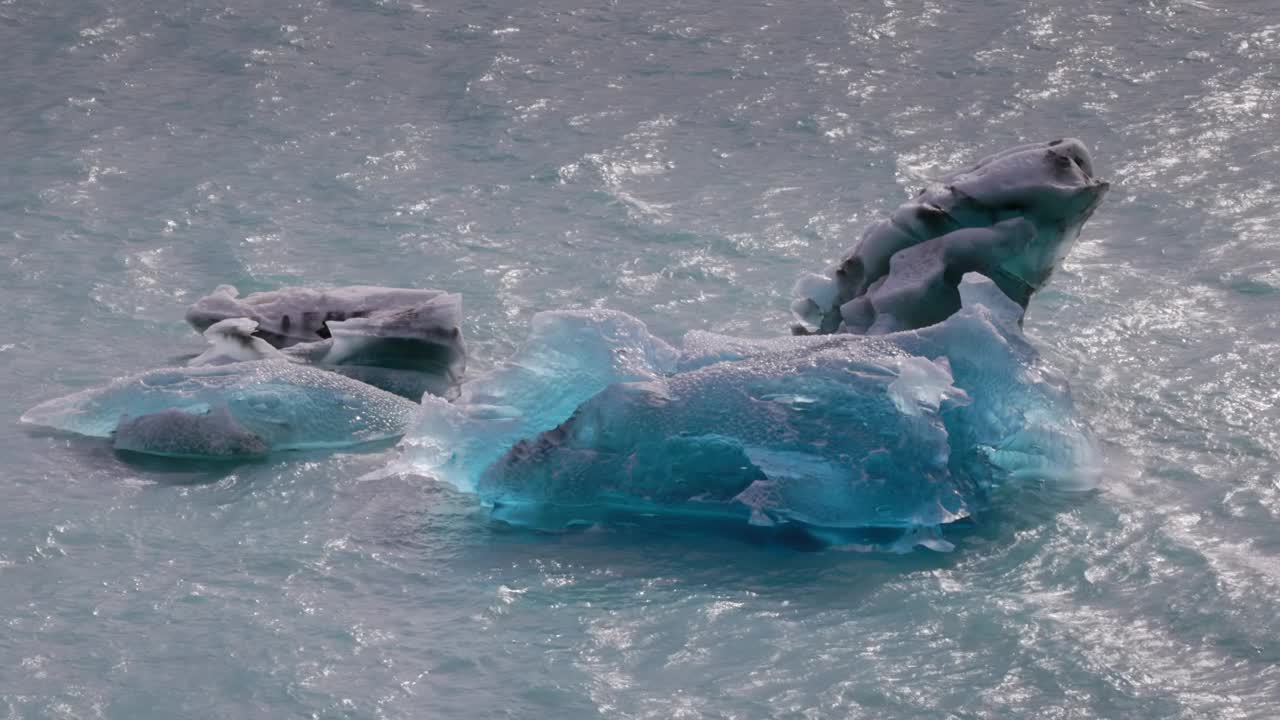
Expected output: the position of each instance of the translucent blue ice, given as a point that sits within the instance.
(907, 430)
(570, 355)
(239, 409)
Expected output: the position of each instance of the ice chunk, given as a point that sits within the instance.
(909, 430)
(922, 386)
(295, 315)
(404, 341)
(237, 409)
(815, 295)
(819, 438)
(407, 351)
(232, 341)
(570, 355)
(922, 286)
(1050, 185)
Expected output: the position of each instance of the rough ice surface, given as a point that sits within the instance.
(408, 342)
(232, 341)
(238, 409)
(827, 438)
(297, 314)
(570, 355)
(212, 433)
(1020, 423)
(922, 285)
(909, 430)
(407, 351)
(904, 271)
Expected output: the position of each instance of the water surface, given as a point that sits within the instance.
(683, 162)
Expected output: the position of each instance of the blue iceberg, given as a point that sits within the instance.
(908, 400)
(909, 430)
(569, 356)
(234, 410)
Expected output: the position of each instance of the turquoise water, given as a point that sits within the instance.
(682, 162)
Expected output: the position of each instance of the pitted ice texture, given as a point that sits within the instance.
(404, 341)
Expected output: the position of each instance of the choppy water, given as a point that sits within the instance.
(681, 161)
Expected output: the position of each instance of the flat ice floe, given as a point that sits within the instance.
(234, 410)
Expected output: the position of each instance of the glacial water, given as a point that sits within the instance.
(684, 163)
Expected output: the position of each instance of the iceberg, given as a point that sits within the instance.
(1012, 216)
(407, 342)
(910, 399)
(910, 430)
(233, 410)
(569, 356)
(835, 438)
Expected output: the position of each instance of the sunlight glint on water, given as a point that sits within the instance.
(682, 162)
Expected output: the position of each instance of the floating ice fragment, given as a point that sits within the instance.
(230, 410)
(295, 315)
(404, 341)
(570, 355)
(821, 430)
(910, 430)
(233, 341)
(1012, 216)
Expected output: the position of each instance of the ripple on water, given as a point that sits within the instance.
(682, 162)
